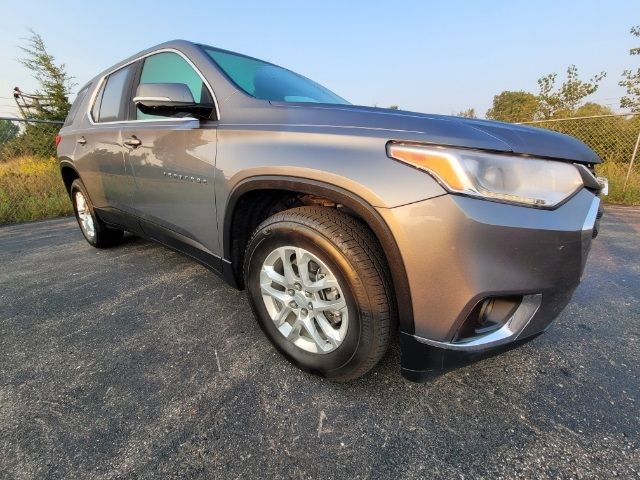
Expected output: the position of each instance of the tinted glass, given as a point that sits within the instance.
(76, 105)
(169, 67)
(113, 103)
(95, 110)
(269, 82)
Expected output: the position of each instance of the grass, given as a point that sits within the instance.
(616, 173)
(32, 189)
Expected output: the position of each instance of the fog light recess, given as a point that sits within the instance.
(488, 316)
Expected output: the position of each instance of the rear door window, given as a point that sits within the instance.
(112, 99)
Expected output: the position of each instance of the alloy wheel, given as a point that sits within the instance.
(84, 216)
(304, 299)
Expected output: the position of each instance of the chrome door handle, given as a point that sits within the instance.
(81, 141)
(133, 142)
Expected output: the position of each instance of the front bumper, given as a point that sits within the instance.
(458, 252)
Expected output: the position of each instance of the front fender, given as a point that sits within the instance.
(355, 203)
(349, 158)
(346, 165)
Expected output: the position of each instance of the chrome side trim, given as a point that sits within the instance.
(101, 81)
(176, 119)
(590, 220)
(508, 333)
(151, 99)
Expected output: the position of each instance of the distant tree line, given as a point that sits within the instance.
(562, 101)
(552, 101)
(565, 100)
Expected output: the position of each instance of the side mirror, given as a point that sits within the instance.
(167, 99)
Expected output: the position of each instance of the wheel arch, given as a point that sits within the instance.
(69, 173)
(365, 211)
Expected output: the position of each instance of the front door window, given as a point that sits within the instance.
(169, 67)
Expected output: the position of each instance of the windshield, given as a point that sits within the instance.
(266, 81)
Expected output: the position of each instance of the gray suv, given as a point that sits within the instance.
(345, 224)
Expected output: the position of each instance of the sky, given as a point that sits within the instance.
(425, 56)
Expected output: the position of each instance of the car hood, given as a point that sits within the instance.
(445, 130)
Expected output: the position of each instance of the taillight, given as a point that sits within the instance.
(58, 140)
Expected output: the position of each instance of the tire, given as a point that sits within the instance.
(353, 319)
(92, 228)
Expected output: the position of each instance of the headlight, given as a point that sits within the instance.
(526, 181)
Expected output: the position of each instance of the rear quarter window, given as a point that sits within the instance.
(76, 105)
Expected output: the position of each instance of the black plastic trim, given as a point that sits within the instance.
(182, 244)
(421, 362)
(114, 217)
(164, 236)
(64, 163)
(358, 205)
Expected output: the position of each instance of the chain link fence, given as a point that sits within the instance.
(34, 138)
(616, 139)
(31, 187)
(30, 184)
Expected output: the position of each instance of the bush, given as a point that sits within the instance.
(616, 173)
(35, 140)
(32, 189)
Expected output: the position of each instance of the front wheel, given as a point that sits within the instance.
(319, 286)
(92, 228)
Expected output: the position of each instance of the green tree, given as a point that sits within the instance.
(631, 80)
(8, 131)
(510, 106)
(565, 100)
(38, 139)
(468, 113)
(55, 82)
(591, 109)
(605, 135)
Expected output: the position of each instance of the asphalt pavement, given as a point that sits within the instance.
(135, 362)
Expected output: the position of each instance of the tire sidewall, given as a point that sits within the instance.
(78, 186)
(287, 233)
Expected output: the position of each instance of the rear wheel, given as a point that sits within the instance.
(318, 284)
(93, 229)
